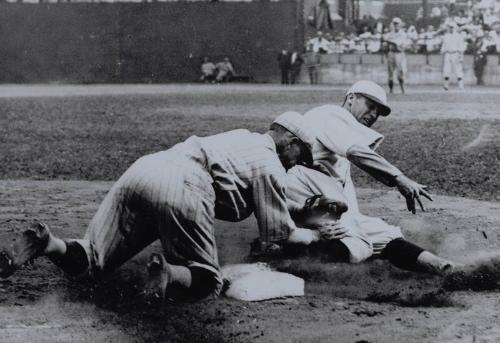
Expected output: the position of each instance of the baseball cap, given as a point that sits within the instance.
(373, 92)
(298, 125)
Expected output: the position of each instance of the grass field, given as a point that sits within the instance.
(96, 137)
(62, 146)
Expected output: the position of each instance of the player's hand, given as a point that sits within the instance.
(412, 191)
(319, 205)
(260, 250)
(331, 230)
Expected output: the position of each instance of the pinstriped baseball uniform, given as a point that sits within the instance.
(337, 130)
(175, 195)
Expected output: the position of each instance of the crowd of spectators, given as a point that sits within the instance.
(481, 20)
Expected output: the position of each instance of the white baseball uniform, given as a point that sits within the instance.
(337, 131)
(452, 49)
(175, 195)
(396, 58)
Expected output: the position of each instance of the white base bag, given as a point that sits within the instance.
(257, 282)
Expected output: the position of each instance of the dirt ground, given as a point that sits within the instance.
(371, 302)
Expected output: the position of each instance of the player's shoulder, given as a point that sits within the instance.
(328, 110)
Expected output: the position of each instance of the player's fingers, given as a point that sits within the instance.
(426, 194)
(420, 203)
(327, 235)
(410, 203)
(341, 229)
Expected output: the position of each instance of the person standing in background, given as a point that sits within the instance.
(480, 58)
(313, 63)
(453, 56)
(284, 65)
(396, 41)
(296, 62)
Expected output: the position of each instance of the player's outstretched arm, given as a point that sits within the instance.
(374, 164)
(412, 191)
(378, 167)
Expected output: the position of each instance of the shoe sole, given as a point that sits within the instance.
(157, 279)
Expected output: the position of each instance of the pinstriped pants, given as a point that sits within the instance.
(161, 196)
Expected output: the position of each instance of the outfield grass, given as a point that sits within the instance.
(97, 137)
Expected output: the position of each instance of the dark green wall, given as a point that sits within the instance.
(142, 42)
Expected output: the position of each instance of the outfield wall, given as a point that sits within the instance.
(421, 69)
(142, 42)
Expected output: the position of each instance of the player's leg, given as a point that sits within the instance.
(127, 219)
(119, 229)
(190, 262)
(390, 71)
(282, 76)
(316, 74)
(459, 70)
(446, 70)
(402, 71)
(388, 243)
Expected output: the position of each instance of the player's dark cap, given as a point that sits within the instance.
(296, 124)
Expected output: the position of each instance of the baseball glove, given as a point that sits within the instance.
(320, 206)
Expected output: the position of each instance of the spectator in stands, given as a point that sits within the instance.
(208, 70)
(422, 41)
(412, 36)
(435, 12)
(341, 43)
(224, 70)
(331, 42)
(491, 39)
(351, 45)
(296, 62)
(420, 14)
(375, 43)
(461, 18)
(433, 41)
(319, 44)
(365, 38)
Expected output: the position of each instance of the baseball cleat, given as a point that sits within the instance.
(29, 246)
(436, 265)
(158, 279)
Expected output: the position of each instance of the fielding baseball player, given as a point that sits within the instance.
(396, 41)
(175, 196)
(453, 55)
(344, 137)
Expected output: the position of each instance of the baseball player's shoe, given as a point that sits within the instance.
(436, 265)
(159, 275)
(29, 246)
